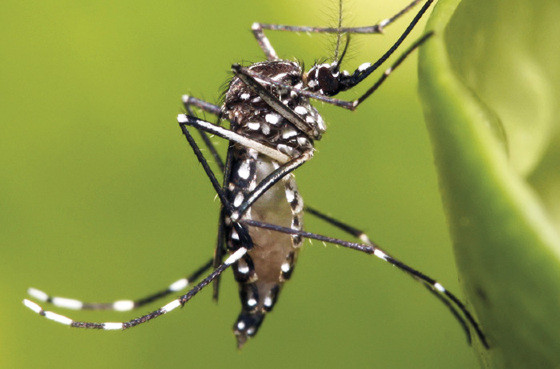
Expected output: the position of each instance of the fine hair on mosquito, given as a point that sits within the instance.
(272, 130)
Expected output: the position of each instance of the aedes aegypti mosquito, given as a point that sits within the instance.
(272, 130)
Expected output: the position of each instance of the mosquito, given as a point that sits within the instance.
(272, 131)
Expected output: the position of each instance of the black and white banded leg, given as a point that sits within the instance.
(220, 249)
(124, 305)
(119, 305)
(145, 318)
(364, 238)
(372, 249)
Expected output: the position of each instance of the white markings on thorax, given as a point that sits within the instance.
(301, 110)
(254, 126)
(272, 118)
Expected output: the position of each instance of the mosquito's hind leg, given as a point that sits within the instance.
(119, 305)
(145, 318)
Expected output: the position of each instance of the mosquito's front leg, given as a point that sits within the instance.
(263, 41)
(265, 45)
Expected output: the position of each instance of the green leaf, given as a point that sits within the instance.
(489, 81)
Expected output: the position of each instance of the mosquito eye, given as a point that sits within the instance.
(327, 82)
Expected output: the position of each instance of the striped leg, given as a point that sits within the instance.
(119, 305)
(143, 319)
(220, 249)
(447, 297)
(363, 237)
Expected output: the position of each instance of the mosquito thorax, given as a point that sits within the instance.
(252, 116)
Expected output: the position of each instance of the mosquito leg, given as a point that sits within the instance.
(376, 28)
(263, 42)
(186, 120)
(456, 314)
(340, 225)
(119, 305)
(265, 45)
(375, 250)
(219, 251)
(389, 70)
(227, 206)
(268, 182)
(143, 319)
(363, 237)
(189, 101)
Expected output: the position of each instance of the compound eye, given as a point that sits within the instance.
(328, 82)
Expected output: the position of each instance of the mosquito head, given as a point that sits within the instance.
(327, 79)
(323, 78)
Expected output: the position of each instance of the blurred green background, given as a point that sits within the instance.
(102, 198)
